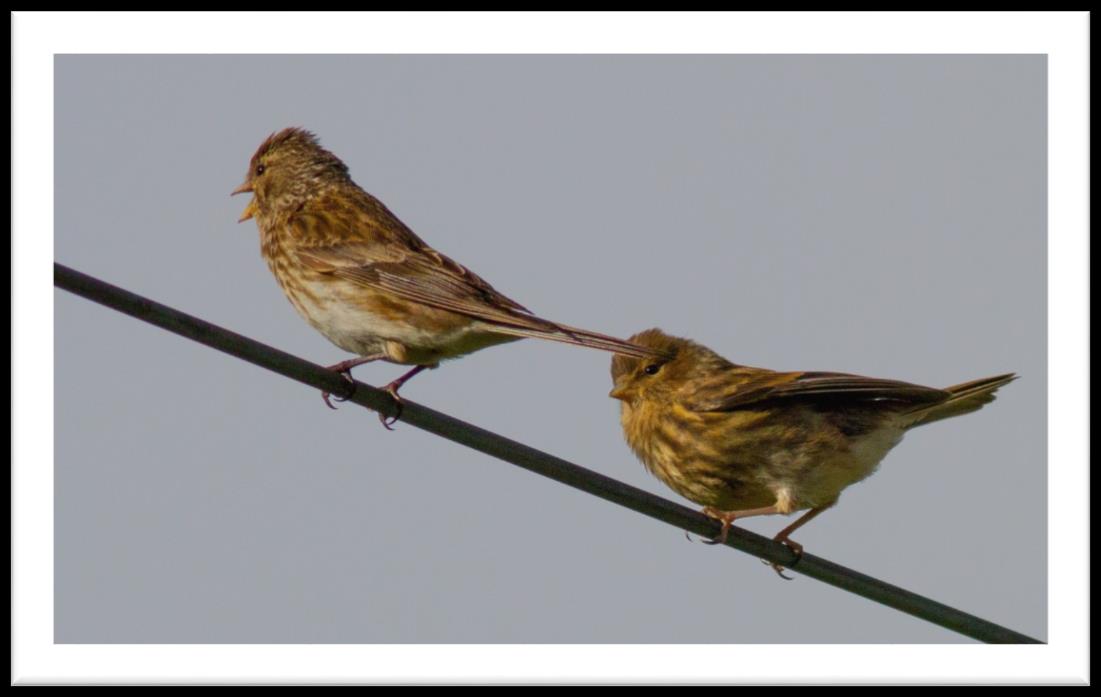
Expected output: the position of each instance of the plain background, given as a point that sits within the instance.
(871, 214)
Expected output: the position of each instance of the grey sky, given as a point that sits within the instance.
(871, 214)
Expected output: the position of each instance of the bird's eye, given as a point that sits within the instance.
(260, 169)
(652, 369)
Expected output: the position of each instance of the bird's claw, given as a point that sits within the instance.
(778, 569)
(347, 375)
(705, 540)
(388, 421)
(797, 550)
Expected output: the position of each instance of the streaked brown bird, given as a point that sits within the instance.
(745, 441)
(362, 278)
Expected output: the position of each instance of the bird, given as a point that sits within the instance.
(367, 282)
(744, 441)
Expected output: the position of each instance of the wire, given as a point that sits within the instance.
(529, 458)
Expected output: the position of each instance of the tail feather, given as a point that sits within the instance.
(553, 331)
(964, 398)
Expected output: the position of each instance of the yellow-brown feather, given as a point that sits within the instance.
(733, 437)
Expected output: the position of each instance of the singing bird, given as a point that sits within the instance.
(744, 441)
(362, 278)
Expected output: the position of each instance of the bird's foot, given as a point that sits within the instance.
(392, 388)
(794, 546)
(724, 517)
(388, 421)
(345, 369)
(347, 375)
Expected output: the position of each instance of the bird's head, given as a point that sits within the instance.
(287, 170)
(636, 379)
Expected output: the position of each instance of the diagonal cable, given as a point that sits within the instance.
(529, 458)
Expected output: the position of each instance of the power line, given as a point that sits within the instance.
(529, 458)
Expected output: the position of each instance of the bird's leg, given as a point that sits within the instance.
(783, 537)
(345, 369)
(728, 517)
(393, 388)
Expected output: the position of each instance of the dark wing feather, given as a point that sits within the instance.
(819, 386)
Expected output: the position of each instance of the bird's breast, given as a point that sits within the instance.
(694, 454)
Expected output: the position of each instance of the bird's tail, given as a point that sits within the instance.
(964, 399)
(552, 331)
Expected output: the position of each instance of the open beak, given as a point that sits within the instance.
(250, 209)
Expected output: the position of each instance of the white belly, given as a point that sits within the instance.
(333, 310)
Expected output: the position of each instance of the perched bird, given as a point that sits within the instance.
(745, 441)
(362, 278)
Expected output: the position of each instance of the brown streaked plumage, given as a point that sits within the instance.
(745, 441)
(362, 278)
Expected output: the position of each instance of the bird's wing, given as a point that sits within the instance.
(767, 386)
(394, 261)
(423, 276)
